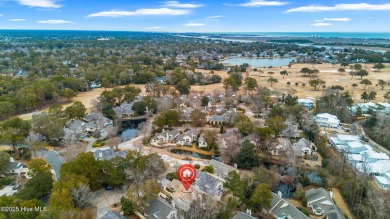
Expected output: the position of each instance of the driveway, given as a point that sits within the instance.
(89, 145)
(357, 129)
(103, 199)
(54, 159)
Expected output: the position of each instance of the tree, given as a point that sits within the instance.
(283, 73)
(150, 104)
(39, 186)
(130, 92)
(341, 70)
(244, 124)
(76, 111)
(276, 123)
(366, 97)
(246, 158)
(183, 87)
(38, 166)
(198, 118)
(205, 101)
(14, 131)
(139, 108)
(167, 119)
(235, 185)
(211, 138)
(264, 133)
(382, 83)
(362, 73)
(127, 206)
(4, 162)
(250, 84)
(261, 197)
(316, 82)
(69, 94)
(81, 195)
(387, 95)
(230, 83)
(272, 80)
(379, 66)
(365, 82)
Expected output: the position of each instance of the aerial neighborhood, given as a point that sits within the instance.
(100, 130)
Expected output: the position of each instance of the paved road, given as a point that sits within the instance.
(54, 159)
(89, 145)
(357, 129)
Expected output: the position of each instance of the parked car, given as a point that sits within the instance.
(109, 188)
(364, 138)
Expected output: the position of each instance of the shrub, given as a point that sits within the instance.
(171, 176)
(98, 143)
(6, 181)
(296, 83)
(304, 201)
(209, 169)
(127, 206)
(197, 166)
(304, 210)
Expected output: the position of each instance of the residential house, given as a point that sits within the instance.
(242, 215)
(321, 203)
(229, 136)
(355, 147)
(339, 142)
(15, 167)
(112, 215)
(221, 170)
(9, 190)
(108, 153)
(181, 198)
(208, 184)
(164, 137)
(281, 147)
(202, 142)
(21, 73)
(188, 137)
(307, 103)
(383, 181)
(291, 130)
(364, 107)
(303, 147)
(125, 109)
(159, 208)
(376, 168)
(281, 208)
(327, 120)
(226, 118)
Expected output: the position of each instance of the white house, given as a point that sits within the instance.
(383, 181)
(339, 142)
(188, 137)
(307, 103)
(164, 137)
(202, 142)
(302, 147)
(327, 120)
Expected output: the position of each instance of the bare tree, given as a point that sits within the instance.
(82, 195)
(229, 146)
(36, 140)
(165, 103)
(96, 105)
(113, 142)
(73, 147)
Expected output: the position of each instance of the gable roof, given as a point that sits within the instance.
(281, 208)
(207, 183)
(221, 169)
(108, 153)
(320, 198)
(159, 208)
(112, 215)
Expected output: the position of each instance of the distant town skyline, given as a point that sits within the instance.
(197, 16)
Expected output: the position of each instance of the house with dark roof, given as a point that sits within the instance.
(302, 147)
(108, 153)
(112, 215)
(221, 170)
(208, 184)
(321, 203)
(160, 209)
(281, 208)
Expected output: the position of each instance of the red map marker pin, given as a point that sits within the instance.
(186, 174)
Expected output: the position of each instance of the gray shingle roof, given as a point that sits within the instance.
(282, 208)
(159, 208)
(107, 154)
(221, 169)
(208, 184)
(112, 215)
(320, 198)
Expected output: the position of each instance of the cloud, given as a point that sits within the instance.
(55, 22)
(140, 12)
(176, 4)
(214, 17)
(261, 3)
(155, 27)
(39, 3)
(17, 19)
(342, 19)
(322, 24)
(194, 24)
(341, 7)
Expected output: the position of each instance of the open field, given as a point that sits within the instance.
(328, 73)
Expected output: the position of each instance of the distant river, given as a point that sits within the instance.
(259, 62)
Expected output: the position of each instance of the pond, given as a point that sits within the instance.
(259, 62)
(194, 154)
(129, 129)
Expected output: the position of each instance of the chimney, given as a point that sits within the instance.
(235, 165)
(100, 154)
(280, 194)
(249, 212)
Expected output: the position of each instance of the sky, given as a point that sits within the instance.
(198, 15)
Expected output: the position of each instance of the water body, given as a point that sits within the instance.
(194, 154)
(129, 129)
(259, 62)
